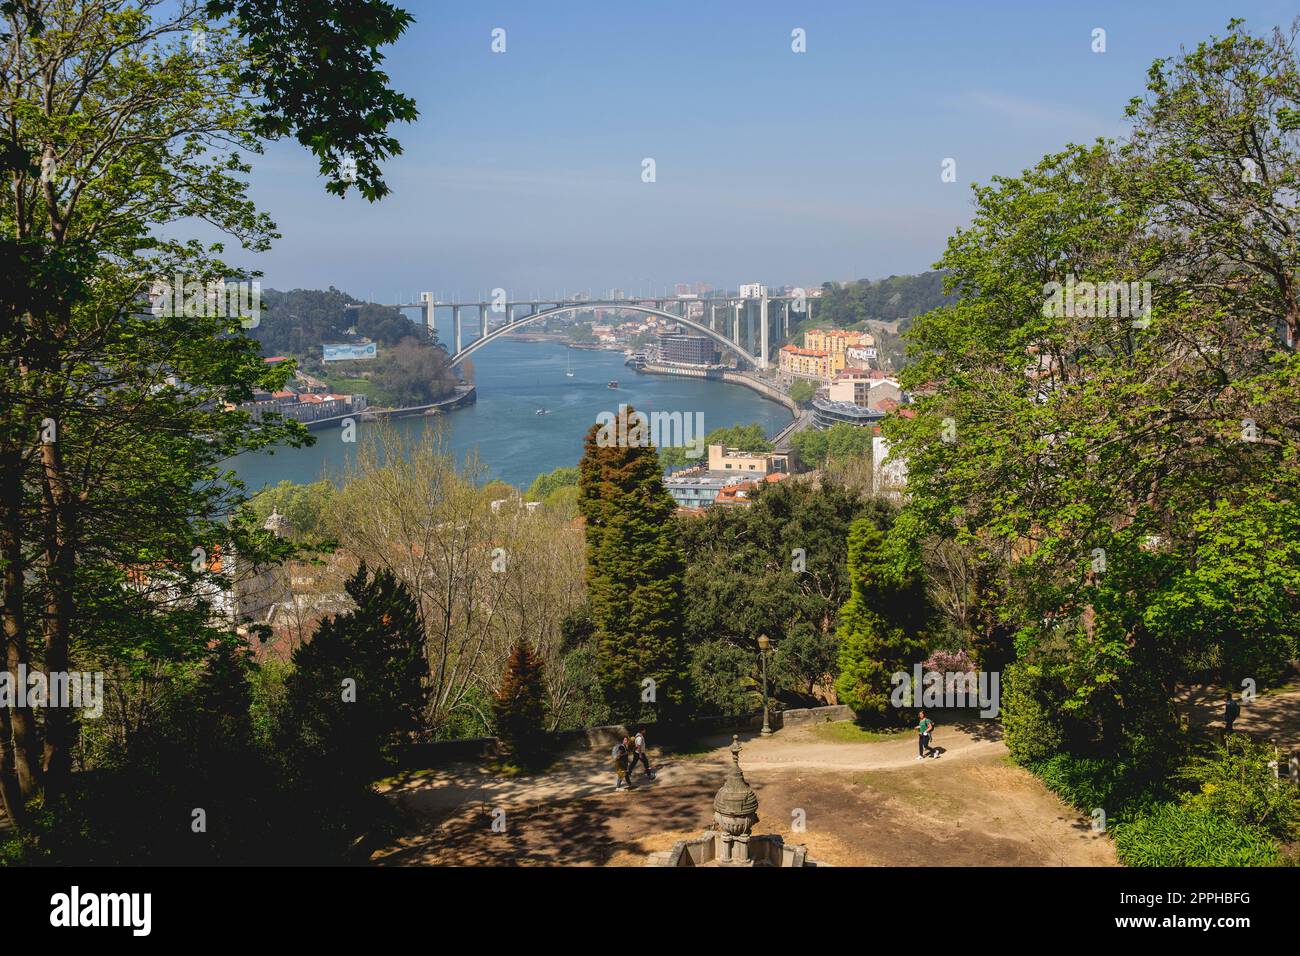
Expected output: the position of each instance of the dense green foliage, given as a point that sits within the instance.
(777, 567)
(356, 690)
(544, 486)
(745, 437)
(1235, 781)
(844, 304)
(1121, 470)
(840, 442)
(882, 624)
(802, 391)
(634, 575)
(303, 505)
(1221, 808)
(1172, 834)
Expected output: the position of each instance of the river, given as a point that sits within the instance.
(515, 378)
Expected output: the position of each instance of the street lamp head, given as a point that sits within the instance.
(763, 642)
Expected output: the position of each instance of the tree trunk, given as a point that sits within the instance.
(20, 720)
(11, 796)
(60, 559)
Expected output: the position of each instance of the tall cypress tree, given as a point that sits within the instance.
(881, 622)
(634, 571)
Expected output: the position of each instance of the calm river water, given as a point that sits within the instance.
(514, 444)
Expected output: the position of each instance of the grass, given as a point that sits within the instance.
(847, 732)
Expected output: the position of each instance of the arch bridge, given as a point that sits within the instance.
(742, 326)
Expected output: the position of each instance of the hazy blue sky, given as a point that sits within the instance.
(524, 169)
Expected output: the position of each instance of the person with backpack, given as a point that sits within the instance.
(924, 728)
(639, 754)
(620, 765)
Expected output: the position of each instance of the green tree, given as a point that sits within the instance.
(634, 574)
(802, 391)
(1127, 452)
(356, 692)
(839, 443)
(547, 484)
(519, 708)
(750, 438)
(881, 625)
(304, 505)
(777, 567)
(114, 432)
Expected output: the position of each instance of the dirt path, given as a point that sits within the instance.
(1273, 716)
(851, 803)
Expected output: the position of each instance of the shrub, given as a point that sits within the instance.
(1117, 786)
(1031, 724)
(1173, 834)
(1236, 782)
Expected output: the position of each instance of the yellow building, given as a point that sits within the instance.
(794, 362)
(835, 342)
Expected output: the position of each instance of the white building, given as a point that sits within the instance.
(753, 291)
(888, 475)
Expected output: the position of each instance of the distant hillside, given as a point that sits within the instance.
(885, 300)
(409, 370)
(891, 303)
(299, 321)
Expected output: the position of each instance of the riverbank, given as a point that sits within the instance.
(770, 392)
(501, 437)
(464, 395)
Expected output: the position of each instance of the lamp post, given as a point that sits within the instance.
(763, 645)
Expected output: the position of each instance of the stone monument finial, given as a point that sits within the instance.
(735, 809)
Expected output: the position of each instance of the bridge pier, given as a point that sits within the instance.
(430, 323)
(455, 321)
(762, 334)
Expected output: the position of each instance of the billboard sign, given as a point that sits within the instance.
(344, 353)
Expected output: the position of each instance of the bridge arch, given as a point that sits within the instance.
(496, 333)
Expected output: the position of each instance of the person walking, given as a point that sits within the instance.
(1231, 710)
(639, 755)
(621, 774)
(924, 728)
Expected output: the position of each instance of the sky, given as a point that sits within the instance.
(524, 170)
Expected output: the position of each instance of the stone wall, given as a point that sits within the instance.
(816, 715)
(436, 753)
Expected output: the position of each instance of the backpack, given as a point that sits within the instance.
(618, 751)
